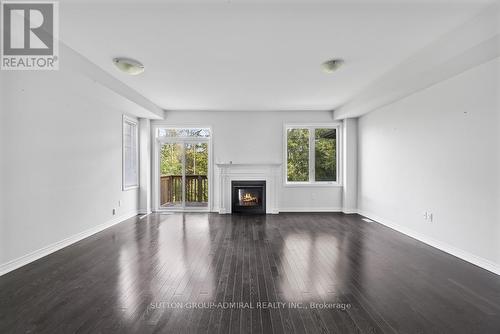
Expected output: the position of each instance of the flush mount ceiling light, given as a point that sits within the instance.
(129, 66)
(332, 65)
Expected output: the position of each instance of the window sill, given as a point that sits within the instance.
(130, 188)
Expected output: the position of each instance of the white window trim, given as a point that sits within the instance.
(133, 121)
(311, 126)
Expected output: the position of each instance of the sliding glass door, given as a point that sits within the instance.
(171, 175)
(196, 174)
(183, 170)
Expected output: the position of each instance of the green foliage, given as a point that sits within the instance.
(324, 155)
(298, 155)
(196, 159)
(170, 159)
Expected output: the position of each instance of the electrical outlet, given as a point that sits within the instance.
(114, 212)
(428, 216)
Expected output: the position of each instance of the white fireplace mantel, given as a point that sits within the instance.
(269, 172)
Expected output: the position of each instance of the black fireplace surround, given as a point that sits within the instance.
(248, 197)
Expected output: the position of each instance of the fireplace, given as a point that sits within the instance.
(248, 197)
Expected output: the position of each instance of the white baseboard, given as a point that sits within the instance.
(44, 251)
(226, 212)
(283, 210)
(464, 255)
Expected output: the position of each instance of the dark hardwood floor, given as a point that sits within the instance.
(179, 273)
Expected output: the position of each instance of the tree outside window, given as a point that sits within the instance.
(311, 154)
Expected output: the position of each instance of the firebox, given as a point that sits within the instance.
(248, 197)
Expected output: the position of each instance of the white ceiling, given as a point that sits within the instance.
(242, 55)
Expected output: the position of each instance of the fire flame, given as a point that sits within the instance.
(247, 197)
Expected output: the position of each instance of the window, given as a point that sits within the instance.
(184, 132)
(130, 154)
(311, 154)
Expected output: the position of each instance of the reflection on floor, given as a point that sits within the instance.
(212, 273)
(188, 205)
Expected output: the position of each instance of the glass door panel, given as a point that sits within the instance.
(171, 175)
(196, 174)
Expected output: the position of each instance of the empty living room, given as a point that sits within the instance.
(250, 166)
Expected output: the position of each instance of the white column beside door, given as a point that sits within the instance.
(350, 168)
(144, 166)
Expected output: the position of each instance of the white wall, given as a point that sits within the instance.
(257, 137)
(61, 160)
(3, 236)
(438, 150)
(350, 163)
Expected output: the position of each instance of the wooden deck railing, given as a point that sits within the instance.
(171, 189)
